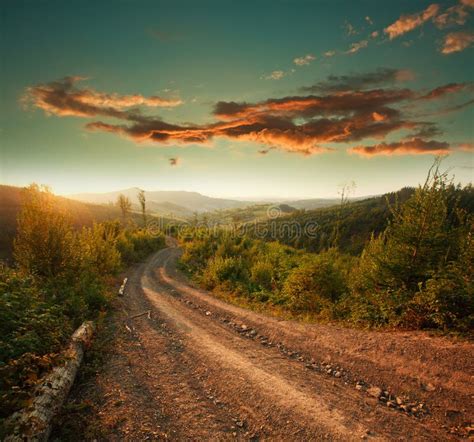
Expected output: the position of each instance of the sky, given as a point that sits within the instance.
(249, 99)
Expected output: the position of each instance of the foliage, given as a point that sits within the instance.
(125, 206)
(415, 273)
(60, 280)
(315, 285)
(349, 225)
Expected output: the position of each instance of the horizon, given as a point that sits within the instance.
(276, 108)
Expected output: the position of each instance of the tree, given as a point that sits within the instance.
(125, 206)
(44, 245)
(142, 200)
(419, 243)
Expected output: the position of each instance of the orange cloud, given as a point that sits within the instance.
(63, 98)
(407, 23)
(347, 109)
(415, 146)
(455, 15)
(438, 92)
(466, 147)
(457, 41)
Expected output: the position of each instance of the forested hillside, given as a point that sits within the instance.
(348, 225)
(414, 271)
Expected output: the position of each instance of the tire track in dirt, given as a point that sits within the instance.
(284, 398)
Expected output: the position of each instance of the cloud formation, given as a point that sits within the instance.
(275, 75)
(415, 146)
(356, 47)
(303, 61)
(407, 23)
(63, 98)
(450, 88)
(359, 81)
(341, 109)
(457, 41)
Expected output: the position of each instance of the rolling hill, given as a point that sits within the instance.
(348, 227)
(181, 201)
(83, 214)
(185, 204)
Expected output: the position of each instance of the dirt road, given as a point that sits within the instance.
(196, 368)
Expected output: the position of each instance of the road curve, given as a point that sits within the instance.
(270, 394)
(197, 368)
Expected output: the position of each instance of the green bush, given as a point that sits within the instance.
(314, 286)
(224, 270)
(261, 275)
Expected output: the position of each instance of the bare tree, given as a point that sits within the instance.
(142, 200)
(346, 191)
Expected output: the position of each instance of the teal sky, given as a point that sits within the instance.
(228, 51)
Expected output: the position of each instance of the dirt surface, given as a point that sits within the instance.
(196, 368)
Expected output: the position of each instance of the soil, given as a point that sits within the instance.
(193, 367)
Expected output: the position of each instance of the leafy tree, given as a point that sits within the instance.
(314, 285)
(44, 245)
(421, 243)
(125, 206)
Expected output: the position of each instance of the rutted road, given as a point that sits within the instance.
(201, 369)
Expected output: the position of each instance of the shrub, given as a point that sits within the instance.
(221, 270)
(261, 275)
(314, 286)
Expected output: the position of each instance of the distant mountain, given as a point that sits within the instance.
(168, 209)
(185, 204)
(182, 201)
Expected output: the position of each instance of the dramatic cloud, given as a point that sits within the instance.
(342, 109)
(407, 23)
(455, 15)
(361, 80)
(457, 41)
(330, 53)
(374, 34)
(466, 147)
(303, 61)
(63, 98)
(356, 47)
(275, 75)
(416, 146)
(450, 88)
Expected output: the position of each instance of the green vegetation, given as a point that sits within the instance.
(415, 273)
(347, 226)
(61, 277)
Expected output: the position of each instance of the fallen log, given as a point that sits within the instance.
(122, 287)
(34, 422)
